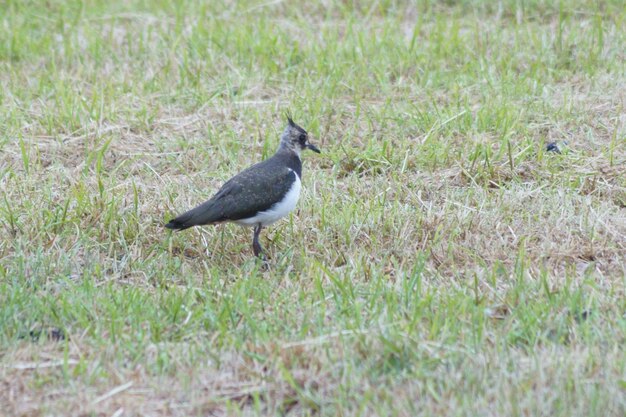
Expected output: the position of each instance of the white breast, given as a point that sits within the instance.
(278, 210)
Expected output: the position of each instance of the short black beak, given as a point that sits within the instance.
(313, 148)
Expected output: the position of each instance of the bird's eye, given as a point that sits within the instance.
(302, 138)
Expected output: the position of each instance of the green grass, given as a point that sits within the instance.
(440, 261)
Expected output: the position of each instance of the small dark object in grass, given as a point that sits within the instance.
(555, 146)
(54, 334)
(582, 316)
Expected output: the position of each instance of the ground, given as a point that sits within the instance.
(440, 261)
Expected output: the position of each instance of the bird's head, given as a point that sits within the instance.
(296, 139)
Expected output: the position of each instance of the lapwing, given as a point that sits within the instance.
(259, 195)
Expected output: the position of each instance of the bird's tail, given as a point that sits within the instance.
(201, 215)
(176, 224)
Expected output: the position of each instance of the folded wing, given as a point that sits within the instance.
(253, 190)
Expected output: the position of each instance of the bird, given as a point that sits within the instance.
(259, 195)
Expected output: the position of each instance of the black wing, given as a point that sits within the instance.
(256, 189)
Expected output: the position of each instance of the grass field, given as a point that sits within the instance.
(440, 260)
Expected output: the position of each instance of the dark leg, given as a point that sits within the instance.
(256, 246)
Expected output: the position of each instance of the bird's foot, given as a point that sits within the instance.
(262, 259)
(265, 265)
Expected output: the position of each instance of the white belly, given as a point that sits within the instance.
(278, 210)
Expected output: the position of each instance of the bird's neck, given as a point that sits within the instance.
(287, 156)
(285, 149)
